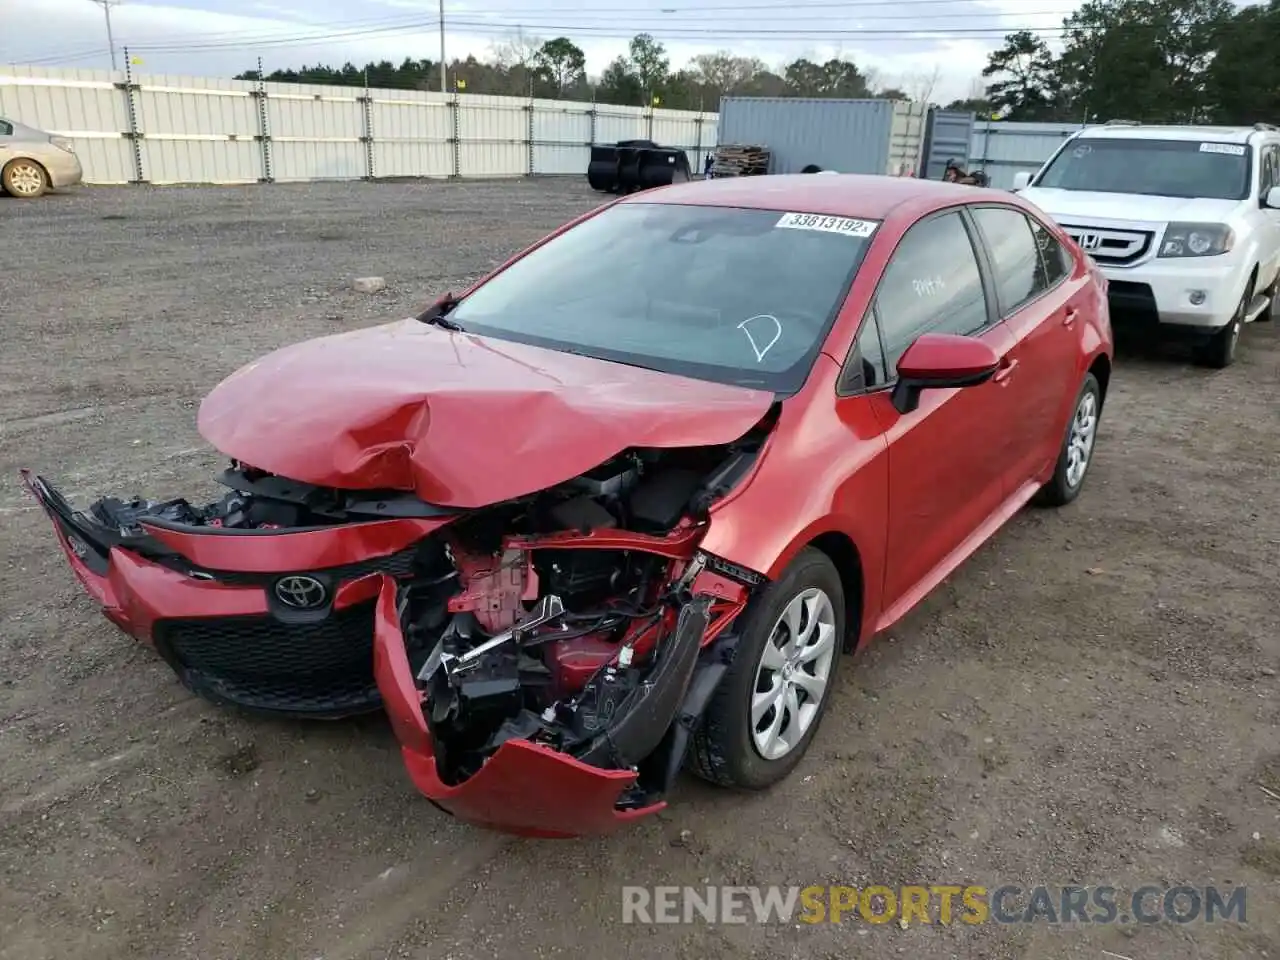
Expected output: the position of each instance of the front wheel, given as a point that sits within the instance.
(766, 711)
(1077, 447)
(1219, 351)
(24, 179)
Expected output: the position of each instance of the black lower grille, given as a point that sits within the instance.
(323, 668)
(1131, 297)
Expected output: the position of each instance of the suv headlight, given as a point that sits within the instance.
(1196, 240)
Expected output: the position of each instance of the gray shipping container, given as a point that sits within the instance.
(850, 136)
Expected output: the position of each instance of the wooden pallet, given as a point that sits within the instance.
(740, 160)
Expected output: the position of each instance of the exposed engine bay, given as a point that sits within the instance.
(576, 618)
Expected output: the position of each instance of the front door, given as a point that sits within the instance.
(947, 458)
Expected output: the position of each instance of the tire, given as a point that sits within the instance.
(1068, 481)
(24, 179)
(725, 750)
(1219, 352)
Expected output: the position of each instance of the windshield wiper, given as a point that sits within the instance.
(437, 314)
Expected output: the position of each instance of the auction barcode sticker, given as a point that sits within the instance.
(816, 221)
(1231, 149)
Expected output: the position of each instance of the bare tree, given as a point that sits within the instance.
(518, 49)
(920, 86)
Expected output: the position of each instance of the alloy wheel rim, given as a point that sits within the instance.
(25, 179)
(1084, 427)
(793, 674)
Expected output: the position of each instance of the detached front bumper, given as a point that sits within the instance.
(207, 602)
(524, 788)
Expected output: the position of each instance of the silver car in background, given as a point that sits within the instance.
(33, 162)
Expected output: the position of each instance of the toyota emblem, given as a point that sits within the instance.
(301, 593)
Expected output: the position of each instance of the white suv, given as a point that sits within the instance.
(1183, 221)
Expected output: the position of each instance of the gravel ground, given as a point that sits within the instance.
(1093, 699)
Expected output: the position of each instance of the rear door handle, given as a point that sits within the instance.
(1070, 317)
(1004, 371)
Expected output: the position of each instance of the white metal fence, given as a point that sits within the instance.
(155, 128)
(1006, 149)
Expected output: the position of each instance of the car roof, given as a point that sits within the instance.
(842, 195)
(1155, 132)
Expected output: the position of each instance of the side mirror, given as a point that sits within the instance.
(937, 361)
(1021, 180)
(1272, 200)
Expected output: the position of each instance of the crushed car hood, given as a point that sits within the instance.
(461, 420)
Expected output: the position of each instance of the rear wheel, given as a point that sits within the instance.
(766, 711)
(24, 179)
(1077, 447)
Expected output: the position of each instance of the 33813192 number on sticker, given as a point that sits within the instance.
(848, 226)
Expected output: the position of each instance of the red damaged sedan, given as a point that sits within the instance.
(620, 507)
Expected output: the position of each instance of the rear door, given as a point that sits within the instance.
(1043, 307)
(946, 459)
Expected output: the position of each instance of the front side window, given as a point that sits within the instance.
(725, 294)
(1014, 257)
(1186, 169)
(1267, 176)
(869, 354)
(931, 285)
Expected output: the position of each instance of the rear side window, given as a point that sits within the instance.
(6, 128)
(1015, 259)
(932, 285)
(1055, 261)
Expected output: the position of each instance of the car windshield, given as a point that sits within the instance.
(1162, 168)
(736, 296)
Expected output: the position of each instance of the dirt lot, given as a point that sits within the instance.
(1092, 700)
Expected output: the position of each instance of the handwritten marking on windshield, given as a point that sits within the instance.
(813, 221)
(764, 318)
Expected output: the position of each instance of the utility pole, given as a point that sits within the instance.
(444, 70)
(106, 6)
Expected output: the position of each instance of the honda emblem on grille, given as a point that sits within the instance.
(1089, 241)
(301, 593)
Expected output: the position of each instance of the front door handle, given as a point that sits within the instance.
(1004, 371)
(1070, 316)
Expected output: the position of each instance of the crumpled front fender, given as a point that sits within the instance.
(524, 788)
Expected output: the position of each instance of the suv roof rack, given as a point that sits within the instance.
(1265, 126)
(1123, 123)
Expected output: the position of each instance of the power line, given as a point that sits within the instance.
(674, 22)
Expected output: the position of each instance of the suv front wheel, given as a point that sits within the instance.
(1219, 351)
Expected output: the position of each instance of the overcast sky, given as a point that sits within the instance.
(901, 40)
